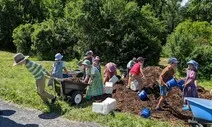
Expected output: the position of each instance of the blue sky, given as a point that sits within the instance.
(184, 2)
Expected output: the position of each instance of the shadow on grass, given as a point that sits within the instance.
(54, 112)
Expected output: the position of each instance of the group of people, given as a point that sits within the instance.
(91, 67)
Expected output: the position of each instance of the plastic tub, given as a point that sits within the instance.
(114, 79)
(172, 83)
(142, 95)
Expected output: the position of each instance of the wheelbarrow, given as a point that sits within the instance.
(201, 110)
(67, 88)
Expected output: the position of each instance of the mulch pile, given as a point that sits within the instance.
(128, 100)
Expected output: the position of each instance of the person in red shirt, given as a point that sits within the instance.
(136, 72)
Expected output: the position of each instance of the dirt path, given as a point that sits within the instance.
(16, 116)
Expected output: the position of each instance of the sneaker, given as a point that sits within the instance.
(54, 100)
(1, 112)
(185, 108)
(159, 109)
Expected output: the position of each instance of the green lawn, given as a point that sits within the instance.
(17, 85)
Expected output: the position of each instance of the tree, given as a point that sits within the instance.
(117, 29)
(186, 41)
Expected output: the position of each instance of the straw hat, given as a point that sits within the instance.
(19, 58)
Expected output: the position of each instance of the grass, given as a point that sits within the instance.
(18, 85)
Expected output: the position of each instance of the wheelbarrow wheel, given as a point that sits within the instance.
(76, 97)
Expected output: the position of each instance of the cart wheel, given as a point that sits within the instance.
(76, 97)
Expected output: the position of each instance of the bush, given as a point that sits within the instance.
(46, 39)
(117, 30)
(186, 41)
(22, 38)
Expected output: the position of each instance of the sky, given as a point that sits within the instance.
(184, 2)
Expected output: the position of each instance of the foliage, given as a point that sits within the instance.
(117, 27)
(46, 39)
(186, 41)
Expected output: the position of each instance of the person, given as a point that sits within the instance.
(136, 72)
(87, 56)
(39, 73)
(57, 68)
(166, 75)
(94, 79)
(97, 63)
(92, 55)
(190, 89)
(109, 71)
(130, 64)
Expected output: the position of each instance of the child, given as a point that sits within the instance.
(109, 72)
(130, 64)
(97, 63)
(166, 75)
(190, 89)
(136, 73)
(39, 74)
(57, 68)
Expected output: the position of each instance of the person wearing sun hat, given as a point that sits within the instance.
(96, 63)
(109, 71)
(166, 75)
(93, 77)
(39, 73)
(190, 89)
(57, 68)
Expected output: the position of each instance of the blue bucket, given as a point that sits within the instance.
(180, 83)
(145, 112)
(142, 95)
(172, 83)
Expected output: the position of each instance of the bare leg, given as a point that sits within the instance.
(162, 98)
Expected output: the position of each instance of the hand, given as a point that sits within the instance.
(166, 85)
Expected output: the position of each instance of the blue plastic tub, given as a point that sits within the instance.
(145, 112)
(180, 83)
(172, 83)
(201, 108)
(142, 95)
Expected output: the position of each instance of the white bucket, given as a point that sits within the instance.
(108, 88)
(97, 107)
(134, 85)
(114, 79)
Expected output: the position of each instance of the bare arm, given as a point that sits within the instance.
(66, 71)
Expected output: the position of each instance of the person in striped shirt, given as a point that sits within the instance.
(39, 72)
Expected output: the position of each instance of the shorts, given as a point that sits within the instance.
(163, 90)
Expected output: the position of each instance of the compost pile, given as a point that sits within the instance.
(128, 100)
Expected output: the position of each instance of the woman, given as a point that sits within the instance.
(136, 72)
(109, 72)
(93, 77)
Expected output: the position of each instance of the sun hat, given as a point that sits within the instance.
(194, 63)
(111, 67)
(19, 58)
(86, 62)
(173, 60)
(97, 58)
(58, 56)
(88, 53)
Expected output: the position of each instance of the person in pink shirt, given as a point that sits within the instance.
(109, 72)
(136, 72)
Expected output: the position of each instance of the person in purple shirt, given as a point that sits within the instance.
(190, 89)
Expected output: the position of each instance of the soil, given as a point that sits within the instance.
(128, 100)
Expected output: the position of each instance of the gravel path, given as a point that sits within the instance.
(16, 116)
